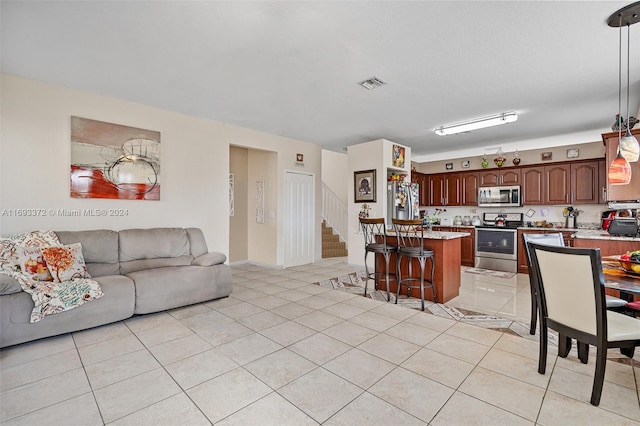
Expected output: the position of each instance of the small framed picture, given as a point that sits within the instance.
(466, 164)
(546, 156)
(449, 166)
(364, 186)
(573, 153)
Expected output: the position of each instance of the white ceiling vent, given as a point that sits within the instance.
(372, 83)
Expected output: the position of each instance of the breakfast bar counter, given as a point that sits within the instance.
(446, 253)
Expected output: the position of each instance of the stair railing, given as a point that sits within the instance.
(334, 212)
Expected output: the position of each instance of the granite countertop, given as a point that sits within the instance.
(599, 234)
(438, 235)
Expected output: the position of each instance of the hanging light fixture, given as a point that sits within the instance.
(619, 170)
(477, 123)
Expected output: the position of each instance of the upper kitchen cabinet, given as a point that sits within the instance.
(557, 184)
(499, 177)
(532, 185)
(562, 183)
(575, 183)
(621, 192)
(602, 181)
(444, 189)
(469, 182)
(423, 187)
(585, 183)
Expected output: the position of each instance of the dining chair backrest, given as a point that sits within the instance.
(571, 288)
(374, 230)
(409, 232)
(552, 239)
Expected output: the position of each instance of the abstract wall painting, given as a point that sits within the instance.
(114, 161)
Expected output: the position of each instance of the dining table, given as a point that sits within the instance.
(616, 278)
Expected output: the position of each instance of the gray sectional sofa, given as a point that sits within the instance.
(140, 271)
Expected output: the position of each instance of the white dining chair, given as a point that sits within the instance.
(575, 274)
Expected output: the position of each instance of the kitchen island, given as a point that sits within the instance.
(446, 253)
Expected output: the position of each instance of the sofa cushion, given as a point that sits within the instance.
(197, 242)
(9, 285)
(209, 259)
(167, 288)
(153, 243)
(99, 248)
(15, 311)
(162, 262)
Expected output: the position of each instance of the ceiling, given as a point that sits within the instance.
(291, 68)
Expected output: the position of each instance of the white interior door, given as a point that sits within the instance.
(298, 219)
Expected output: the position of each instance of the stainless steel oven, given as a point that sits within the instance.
(497, 248)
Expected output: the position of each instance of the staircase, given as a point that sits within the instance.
(331, 244)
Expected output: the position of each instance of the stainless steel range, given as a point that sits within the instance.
(497, 242)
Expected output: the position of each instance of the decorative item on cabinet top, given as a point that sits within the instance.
(500, 159)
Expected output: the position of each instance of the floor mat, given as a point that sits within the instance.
(490, 273)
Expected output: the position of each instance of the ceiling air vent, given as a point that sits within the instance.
(372, 83)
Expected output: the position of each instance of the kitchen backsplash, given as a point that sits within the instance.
(588, 217)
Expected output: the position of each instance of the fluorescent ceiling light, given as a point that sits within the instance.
(477, 123)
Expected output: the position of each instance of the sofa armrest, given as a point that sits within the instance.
(209, 259)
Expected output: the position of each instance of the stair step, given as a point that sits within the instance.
(331, 244)
(334, 253)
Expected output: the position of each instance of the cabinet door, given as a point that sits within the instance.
(602, 182)
(467, 247)
(469, 189)
(510, 177)
(584, 183)
(622, 192)
(557, 184)
(532, 185)
(452, 194)
(423, 187)
(423, 190)
(489, 177)
(436, 190)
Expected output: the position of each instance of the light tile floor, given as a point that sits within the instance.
(283, 351)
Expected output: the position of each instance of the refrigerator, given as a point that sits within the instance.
(402, 201)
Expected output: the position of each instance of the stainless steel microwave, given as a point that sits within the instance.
(499, 196)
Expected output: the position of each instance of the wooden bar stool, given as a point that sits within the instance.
(409, 233)
(375, 241)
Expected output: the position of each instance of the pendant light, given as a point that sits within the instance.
(629, 145)
(619, 172)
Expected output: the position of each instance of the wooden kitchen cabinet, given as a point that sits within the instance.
(467, 247)
(563, 183)
(467, 244)
(602, 182)
(621, 192)
(585, 186)
(532, 185)
(499, 177)
(469, 183)
(557, 184)
(423, 187)
(444, 189)
(573, 183)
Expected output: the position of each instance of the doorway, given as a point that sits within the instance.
(299, 219)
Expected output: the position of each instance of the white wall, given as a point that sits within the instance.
(335, 173)
(366, 156)
(35, 159)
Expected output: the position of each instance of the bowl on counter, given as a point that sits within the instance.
(630, 266)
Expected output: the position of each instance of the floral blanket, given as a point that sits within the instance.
(49, 297)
